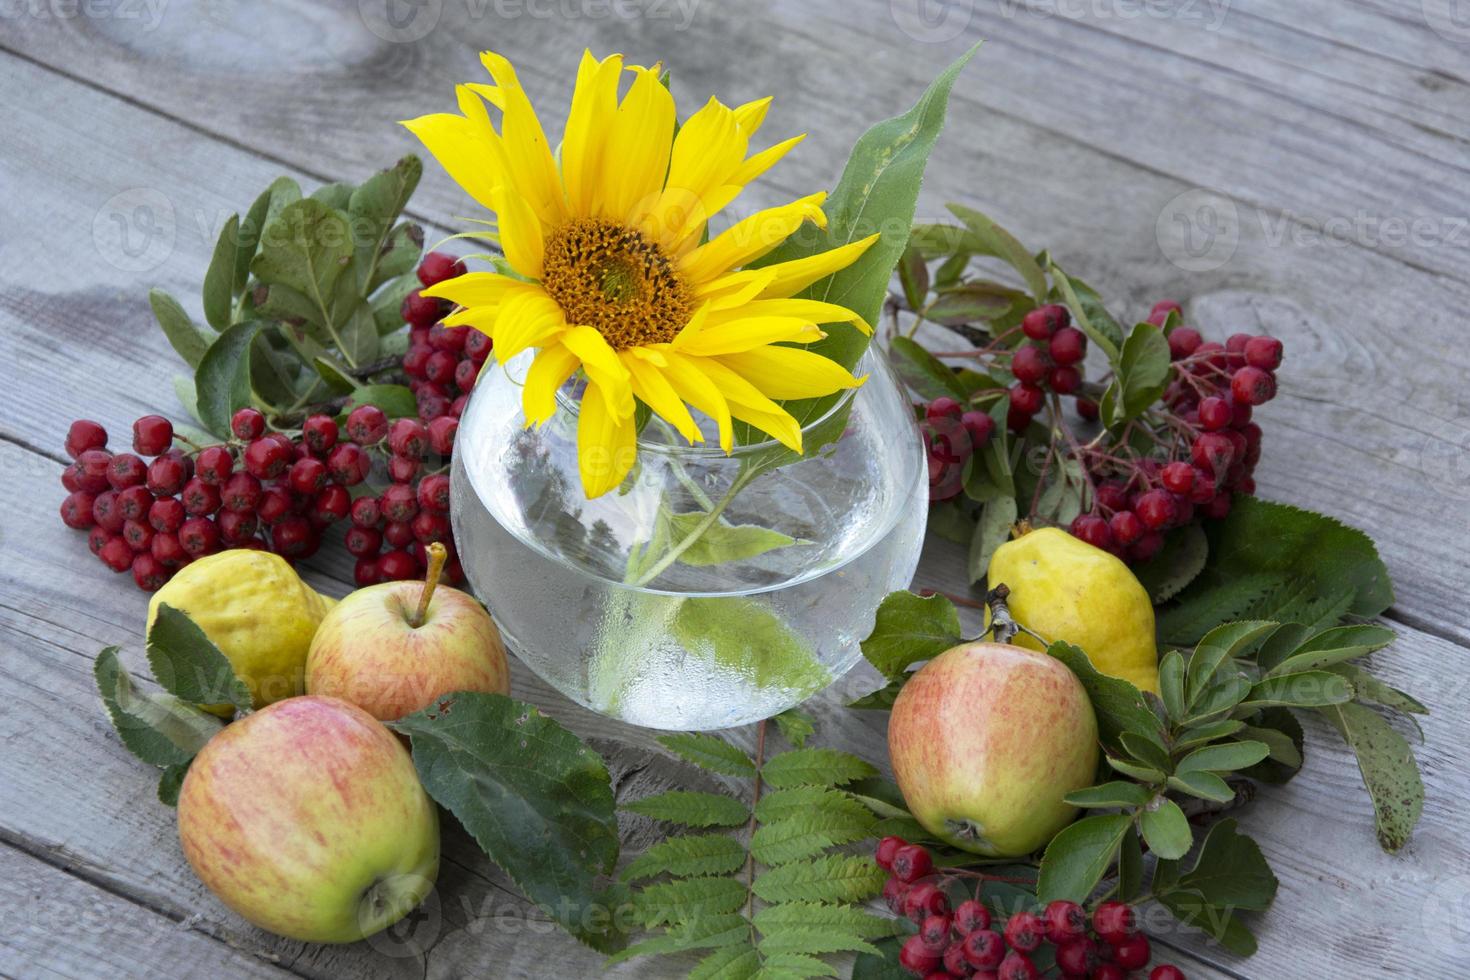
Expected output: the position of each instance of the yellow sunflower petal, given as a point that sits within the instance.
(748, 404)
(734, 290)
(751, 238)
(794, 276)
(763, 161)
(696, 388)
(548, 373)
(527, 318)
(472, 289)
(789, 372)
(520, 233)
(463, 150)
(606, 444)
(490, 93)
(638, 145)
(811, 310)
(594, 104)
(752, 114)
(604, 367)
(482, 318)
(743, 334)
(650, 385)
(529, 158)
(708, 149)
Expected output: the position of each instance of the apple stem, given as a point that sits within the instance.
(436, 555)
(1002, 627)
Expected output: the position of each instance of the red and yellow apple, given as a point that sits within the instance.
(378, 651)
(308, 819)
(985, 740)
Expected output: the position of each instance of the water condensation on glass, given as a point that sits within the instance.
(695, 646)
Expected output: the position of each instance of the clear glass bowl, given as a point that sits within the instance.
(709, 590)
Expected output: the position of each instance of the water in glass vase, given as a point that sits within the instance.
(710, 590)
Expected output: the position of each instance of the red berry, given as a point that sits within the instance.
(200, 499)
(477, 345)
(332, 504)
(266, 458)
(134, 503)
(275, 505)
(137, 534)
(449, 339)
(923, 900)
(152, 435)
(116, 554)
(428, 528)
(1253, 386)
(954, 960)
(126, 470)
(413, 362)
(399, 502)
(441, 435)
(1215, 413)
(1024, 931)
(1068, 346)
(984, 949)
(1166, 972)
(1017, 966)
(439, 266)
(1146, 547)
(363, 542)
(84, 434)
(1219, 506)
(348, 464)
(1030, 364)
(1125, 527)
(1236, 342)
(365, 512)
(1156, 509)
(894, 893)
(1065, 380)
(320, 432)
(292, 537)
(943, 407)
(1094, 530)
(934, 930)
(76, 510)
(456, 407)
(917, 958)
(979, 426)
(1064, 921)
(199, 537)
(432, 407)
(106, 512)
(399, 534)
(166, 514)
(1177, 477)
(465, 374)
(307, 476)
(395, 566)
(1161, 310)
(247, 424)
(149, 572)
(1087, 409)
(1112, 496)
(367, 425)
(166, 476)
(242, 493)
(971, 915)
(1183, 341)
(1108, 971)
(408, 437)
(215, 465)
(365, 572)
(71, 477)
(1132, 953)
(236, 528)
(167, 549)
(912, 862)
(1027, 399)
(1263, 353)
(1042, 322)
(1076, 956)
(1113, 922)
(434, 493)
(1213, 451)
(94, 464)
(421, 311)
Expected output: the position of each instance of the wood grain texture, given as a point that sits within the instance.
(1081, 133)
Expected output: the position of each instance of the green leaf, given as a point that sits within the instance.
(188, 665)
(692, 809)
(722, 541)
(249, 236)
(812, 915)
(357, 335)
(182, 335)
(832, 878)
(709, 752)
(884, 966)
(802, 835)
(737, 962)
(677, 903)
(1281, 644)
(877, 193)
(812, 942)
(280, 302)
(786, 803)
(1205, 785)
(1183, 557)
(988, 238)
(1370, 689)
(1214, 655)
(1270, 561)
(1145, 751)
(928, 376)
(913, 276)
(536, 800)
(160, 729)
(1188, 907)
(374, 207)
(992, 532)
(222, 380)
(387, 303)
(1334, 646)
(1279, 744)
(1389, 771)
(283, 193)
(879, 700)
(1306, 689)
(1139, 376)
(796, 726)
(743, 634)
(306, 247)
(1144, 774)
(1115, 794)
(334, 195)
(396, 401)
(1209, 732)
(337, 375)
(1118, 704)
(695, 854)
(1166, 829)
(1223, 696)
(908, 629)
(1089, 314)
(706, 932)
(814, 767)
(1171, 684)
(170, 782)
(795, 966)
(1130, 867)
(219, 278)
(1079, 855)
(1230, 872)
(971, 301)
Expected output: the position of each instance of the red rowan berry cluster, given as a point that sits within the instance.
(965, 941)
(155, 509)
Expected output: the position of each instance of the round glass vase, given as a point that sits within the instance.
(709, 590)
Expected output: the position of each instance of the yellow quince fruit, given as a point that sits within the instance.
(255, 608)
(1066, 589)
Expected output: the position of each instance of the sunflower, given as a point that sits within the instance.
(609, 269)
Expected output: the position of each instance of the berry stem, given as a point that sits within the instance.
(437, 554)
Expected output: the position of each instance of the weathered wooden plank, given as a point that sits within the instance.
(55, 925)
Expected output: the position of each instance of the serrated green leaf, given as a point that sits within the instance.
(1079, 855)
(1171, 684)
(222, 380)
(736, 962)
(1215, 652)
(1205, 785)
(812, 942)
(1140, 375)
(794, 966)
(1224, 757)
(1231, 872)
(908, 629)
(884, 966)
(1388, 768)
(160, 729)
(691, 809)
(188, 665)
(687, 856)
(1166, 829)
(219, 278)
(796, 726)
(685, 900)
(374, 207)
(534, 797)
(925, 374)
(832, 878)
(721, 541)
(991, 532)
(1119, 705)
(879, 700)
(1334, 646)
(803, 835)
(814, 767)
(781, 804)
(709, 752)
(183, 336)
(707, 932)
(170, 781)
(1370, 689)
(1306, 689)
(306, 246)
(746, 636)
(1114, 794)
(988, 238)
(1183, 557)
(813, 915)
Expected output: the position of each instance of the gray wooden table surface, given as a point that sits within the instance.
(1298, 168)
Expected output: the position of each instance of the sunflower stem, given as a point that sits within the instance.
(705, 523)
